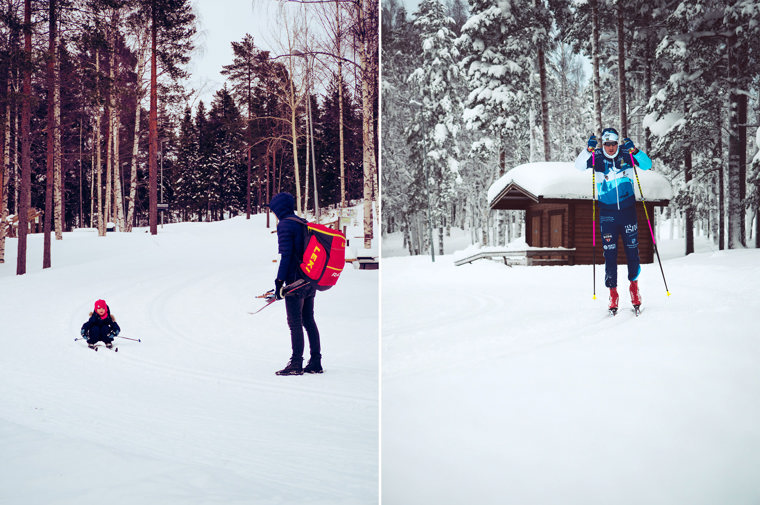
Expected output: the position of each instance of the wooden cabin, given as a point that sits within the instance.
(557, 200)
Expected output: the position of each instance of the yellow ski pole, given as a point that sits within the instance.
(646, 212)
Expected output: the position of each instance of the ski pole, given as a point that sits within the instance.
(127, 338)
(651, 232)
(593, 218)
(117, 336)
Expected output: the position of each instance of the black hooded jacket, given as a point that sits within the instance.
(290, 236)
(105, 326)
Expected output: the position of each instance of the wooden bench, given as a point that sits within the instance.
(530, 256)
(367, 263)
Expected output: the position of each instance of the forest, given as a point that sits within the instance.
(99, 129)
(470, 90)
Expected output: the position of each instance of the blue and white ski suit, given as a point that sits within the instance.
(617, 210)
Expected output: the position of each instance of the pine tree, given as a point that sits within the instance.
(434, 132)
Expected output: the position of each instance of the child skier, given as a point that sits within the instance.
(101, 327)
(617, 211)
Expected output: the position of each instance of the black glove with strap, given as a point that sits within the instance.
(278, 288)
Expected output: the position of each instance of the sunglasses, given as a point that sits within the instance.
(609, 144)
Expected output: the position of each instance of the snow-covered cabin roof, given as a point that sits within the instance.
(550, 180)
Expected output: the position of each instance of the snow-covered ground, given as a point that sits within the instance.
(194, 413)
(513, 385)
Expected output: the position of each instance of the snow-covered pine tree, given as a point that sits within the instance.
(572, 114)
(433, 134)
(400, 195)
(497, 67)
(707, 51)
(188, 183)
(683, 116)
(501, 73)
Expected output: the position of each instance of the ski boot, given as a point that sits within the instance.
(635, 297)
(614, 297)
(294, 367)
(314, 365)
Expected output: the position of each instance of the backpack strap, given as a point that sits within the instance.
(297, 220)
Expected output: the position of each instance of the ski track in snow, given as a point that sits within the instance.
(193, 413)
(515, 383)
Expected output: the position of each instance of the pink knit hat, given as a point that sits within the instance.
(101, 304)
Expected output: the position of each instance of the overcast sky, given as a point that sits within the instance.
(221, 22)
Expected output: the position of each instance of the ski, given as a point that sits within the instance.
(286, 291)
(613, 311)
(97, 346)
(270, 300)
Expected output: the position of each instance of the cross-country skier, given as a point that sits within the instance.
(617, 210)
(101, 327)
(300, 304)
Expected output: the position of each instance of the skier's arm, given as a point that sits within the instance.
(640, 157)
(582, 161)
(285, 245)
(644, 161)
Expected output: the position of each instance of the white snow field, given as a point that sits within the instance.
(514, 386)
(192, 414)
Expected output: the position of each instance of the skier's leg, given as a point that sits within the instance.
(631, 242)
(95, 335)
(310, 324)
(609, 234)
(294, 308)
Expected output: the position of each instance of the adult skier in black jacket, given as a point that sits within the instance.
(299, 305)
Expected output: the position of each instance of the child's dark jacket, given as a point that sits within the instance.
(107, 326)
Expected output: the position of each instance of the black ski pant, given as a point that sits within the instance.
(98, 334)
(300, 309)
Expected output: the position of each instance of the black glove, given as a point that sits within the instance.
(592, 142)
(627, 146)
(278, 288)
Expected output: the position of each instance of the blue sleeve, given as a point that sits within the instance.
(644, 161)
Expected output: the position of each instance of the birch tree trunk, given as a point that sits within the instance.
(4, 172)
(293, 102)
(140, 89)
(338, 37)
(117, 191)
(57, 151)
(368, 60)
(153, 125)
(109, 155)
(98, 168)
